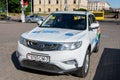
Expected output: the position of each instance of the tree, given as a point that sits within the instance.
(81, 9)
(2, 5)
(14, 6)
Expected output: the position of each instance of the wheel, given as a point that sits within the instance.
(83, 71)
(96, 49)
(29, 21)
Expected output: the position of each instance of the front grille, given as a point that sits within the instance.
(42, 46)
(41, 66)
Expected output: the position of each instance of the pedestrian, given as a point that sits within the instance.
(117, 17)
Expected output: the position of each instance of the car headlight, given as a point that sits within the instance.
(71, 46)
(22, 41)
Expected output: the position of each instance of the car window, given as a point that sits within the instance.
(31, 16)
(68, 21)
(91, 19)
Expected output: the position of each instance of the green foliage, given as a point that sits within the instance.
(2, 3)
(81, 9)
(28, 9)
(14, 6)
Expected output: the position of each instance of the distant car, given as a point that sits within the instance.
(33, 18)
(40, 21)
(4, 17)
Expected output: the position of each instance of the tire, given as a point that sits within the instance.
(96, 49)
(29, 21)
(83, 71)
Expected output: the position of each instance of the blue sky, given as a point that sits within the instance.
(114, 3)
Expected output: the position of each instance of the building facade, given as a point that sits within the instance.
(117, 9)
(98, 5)
(49, 6)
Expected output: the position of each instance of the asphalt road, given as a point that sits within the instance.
(105, 65)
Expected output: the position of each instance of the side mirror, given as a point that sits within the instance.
(39, 22)
(94, 25)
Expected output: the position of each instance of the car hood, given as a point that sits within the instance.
(54, 35)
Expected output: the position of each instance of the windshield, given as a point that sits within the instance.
(65, 21)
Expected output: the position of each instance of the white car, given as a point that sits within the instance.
(62, 43)
(33, 18)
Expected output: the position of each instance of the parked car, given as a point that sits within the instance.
(62, 43)
(4, 17)
(33, 18)
(40, 21)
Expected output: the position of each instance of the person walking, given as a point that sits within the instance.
(117, 17)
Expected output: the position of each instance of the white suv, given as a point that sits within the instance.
(62, 43)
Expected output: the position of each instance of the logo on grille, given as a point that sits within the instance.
(41, 46)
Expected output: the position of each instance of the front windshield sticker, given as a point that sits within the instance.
(53, 17)
(36, 31)
(76, 17)
(50, 31)
(79, 17)
(69, 34)
(83, 17)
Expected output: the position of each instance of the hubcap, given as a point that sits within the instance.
(86, 63)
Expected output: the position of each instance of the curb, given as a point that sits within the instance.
(3, 21)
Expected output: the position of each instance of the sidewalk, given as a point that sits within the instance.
(110, 19)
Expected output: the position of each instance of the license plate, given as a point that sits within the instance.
(41, 58)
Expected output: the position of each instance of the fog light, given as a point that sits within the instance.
(70, 62)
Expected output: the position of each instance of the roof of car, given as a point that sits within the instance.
(74, 12)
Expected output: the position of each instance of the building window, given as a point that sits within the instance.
(74, 9)
(49, 1)
(39, 9)
(39, 1)
(57, 1)
(48, 9)
(57, 9)
(65, 1)
(74, 2)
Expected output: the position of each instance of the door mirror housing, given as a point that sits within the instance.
(94, 25)
(39, 22)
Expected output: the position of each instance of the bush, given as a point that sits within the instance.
(81, 9)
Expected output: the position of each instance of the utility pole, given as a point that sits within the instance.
(60, 5)
(79, 1)
(7, 7)
(22, 13)
(44, 6)
(31, 7)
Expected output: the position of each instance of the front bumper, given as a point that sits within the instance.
(58, 60)
(44, 67)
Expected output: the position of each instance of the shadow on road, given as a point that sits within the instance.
(17, 66)
(109, 65)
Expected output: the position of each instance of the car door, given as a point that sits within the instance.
(92, 32)
(32, 18)
(35, 18)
